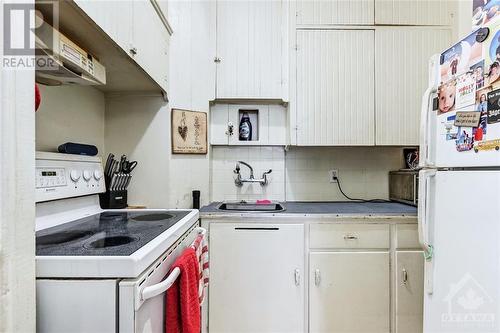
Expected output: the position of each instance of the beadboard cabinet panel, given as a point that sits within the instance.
(413, 12)
(335, 87)
(401, 72)
(249, 50)
(321, 12)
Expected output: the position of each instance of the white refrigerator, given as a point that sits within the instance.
(459, 187)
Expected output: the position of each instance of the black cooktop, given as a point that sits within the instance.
(105, 234)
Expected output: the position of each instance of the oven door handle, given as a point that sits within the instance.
(160, 288)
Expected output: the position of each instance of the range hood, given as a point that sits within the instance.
(61, 61)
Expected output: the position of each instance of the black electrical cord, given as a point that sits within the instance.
(354, 199)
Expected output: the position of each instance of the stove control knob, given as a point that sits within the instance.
(75, 175)
(87, 175)
(97, 174)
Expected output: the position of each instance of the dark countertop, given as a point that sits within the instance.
(329, 208)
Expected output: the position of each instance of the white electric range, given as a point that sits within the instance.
(100, 270)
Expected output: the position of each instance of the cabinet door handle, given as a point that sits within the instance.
(317, 277)
(405, 276)
(297, 277)
(257, 228)
(230, 129)
(350, 237)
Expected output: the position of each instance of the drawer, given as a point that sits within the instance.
(407, 236)
(350, 236)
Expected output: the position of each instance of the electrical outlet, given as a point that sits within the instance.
(334, 174)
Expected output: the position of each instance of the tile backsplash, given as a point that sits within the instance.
(261, 159)
(302, 173)
(363, 172)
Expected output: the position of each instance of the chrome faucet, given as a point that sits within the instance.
(239, 180)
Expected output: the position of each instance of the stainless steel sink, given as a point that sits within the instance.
(251, 206)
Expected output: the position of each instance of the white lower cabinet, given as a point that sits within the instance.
(409, 291)
(361, 277)
(256, 278)
(349, 292)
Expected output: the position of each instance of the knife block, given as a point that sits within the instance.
(113, 199)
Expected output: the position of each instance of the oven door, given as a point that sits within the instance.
(142, 300)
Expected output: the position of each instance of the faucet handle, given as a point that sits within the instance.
(237, 168)
(268, 172)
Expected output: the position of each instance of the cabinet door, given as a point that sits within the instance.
(409, 291)
(320, 12)
(113, 17)
(335, 87)
(219, 125)
(408, 12)
(256, 274)
(349, 292)
(150, 40)
(402, 56)
(249, 46)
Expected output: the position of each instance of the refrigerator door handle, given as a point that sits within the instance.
(423, 225)
(424, 127)
(434, 80)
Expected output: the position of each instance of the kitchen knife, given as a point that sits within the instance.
(108, 163)
(129, 177)
(112, 183)
(122, 181)
(123, 163)
(112, 168)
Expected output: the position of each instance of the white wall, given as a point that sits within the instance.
(191, 86)
(463, 19)
(17, 195)
(138, 126)
(70, 114)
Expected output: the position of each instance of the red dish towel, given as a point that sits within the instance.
(200, 245)
(183, 305)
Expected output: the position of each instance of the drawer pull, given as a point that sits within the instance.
(257, 228)
(317, 277)
(350, 237)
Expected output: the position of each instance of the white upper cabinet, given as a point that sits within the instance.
(335, 12)
(128, 23)
(402, 55)
(249, 50)
(268, 124)
(413, 12)
(335, 87)
(150, 41)
(113, 17)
